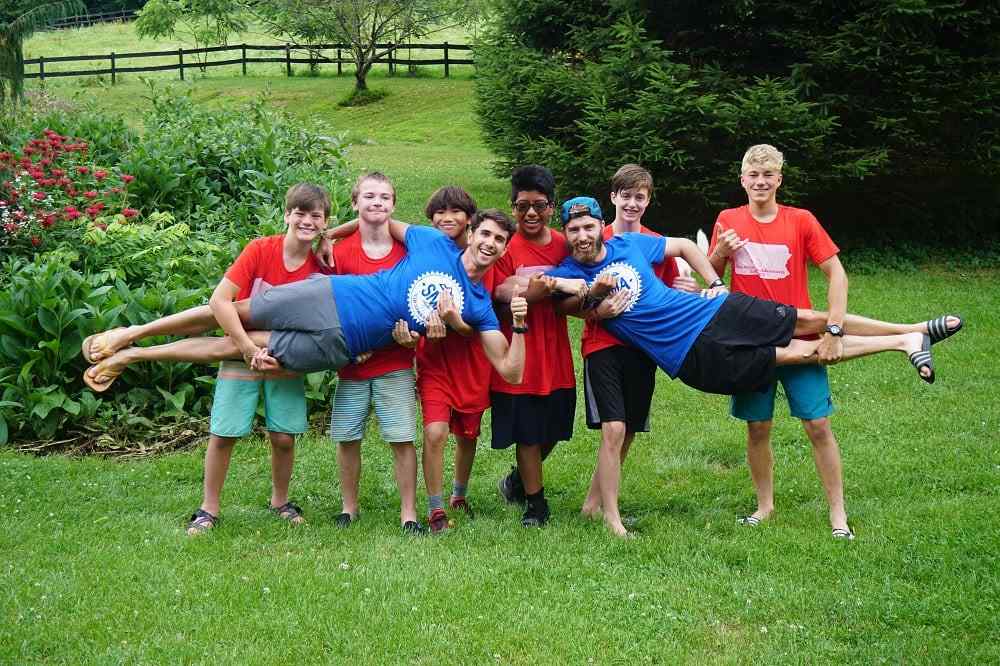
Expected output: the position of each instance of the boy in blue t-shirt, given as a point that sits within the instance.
(717, 342)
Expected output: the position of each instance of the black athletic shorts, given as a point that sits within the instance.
(618, 385)
(735, 352)
(532, 419)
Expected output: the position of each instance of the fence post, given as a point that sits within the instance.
(446, 60)
(114, 77)
(340, 65)
(288, 59)
(180, 60)
(244, 59)
(41, 68)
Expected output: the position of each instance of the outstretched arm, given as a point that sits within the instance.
(508, 359)
(224, 310)
(687, 250)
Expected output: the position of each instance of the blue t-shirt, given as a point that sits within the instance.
(660, 321)
(370, 305)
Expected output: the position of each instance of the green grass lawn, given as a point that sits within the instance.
(97, 568)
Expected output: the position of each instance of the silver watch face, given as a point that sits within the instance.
(835, 330)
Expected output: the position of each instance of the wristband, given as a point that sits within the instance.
(717, 282)
(520, 329)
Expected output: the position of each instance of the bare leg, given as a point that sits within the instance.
(529, 466)
(609, 471)
(349, 462)
(826, 454)
(592, 504)
(193, 321)
(804, 351)
(814, 321)
(404, 463)
(282, 461)
(612, 438)
(465, 455)
(435, 437)
(217, 457)
(760, 459)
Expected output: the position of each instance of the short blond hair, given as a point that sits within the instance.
(762, 156)
(378, 177)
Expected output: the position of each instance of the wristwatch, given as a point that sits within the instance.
(520, 329)
(717, 282)
(835, 330)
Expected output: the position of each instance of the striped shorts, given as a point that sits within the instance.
(394, 397)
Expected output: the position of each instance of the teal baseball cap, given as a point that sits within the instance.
(579, 206)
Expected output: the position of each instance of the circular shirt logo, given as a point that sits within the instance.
(422, 296)
(626, 277)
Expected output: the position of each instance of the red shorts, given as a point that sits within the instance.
(461, 424)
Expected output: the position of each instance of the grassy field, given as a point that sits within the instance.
(98, 570)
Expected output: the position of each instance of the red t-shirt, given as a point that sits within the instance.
(349, 258)
(548, 363)
(773, 264)
(261, 265)
(596, 337)
(455, 370)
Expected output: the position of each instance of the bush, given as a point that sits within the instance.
(222, 176)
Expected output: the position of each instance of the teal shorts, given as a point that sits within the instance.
(807, 389)
(237, 392)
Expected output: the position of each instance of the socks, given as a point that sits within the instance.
(434, 502)
(458, 489)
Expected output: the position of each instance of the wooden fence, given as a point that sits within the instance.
(85, 20)
(290, 55)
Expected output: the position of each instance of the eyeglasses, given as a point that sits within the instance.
(538, 206)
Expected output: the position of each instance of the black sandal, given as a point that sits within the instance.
(923, 359)
(201, 521)
(290, 512)
(937, 329)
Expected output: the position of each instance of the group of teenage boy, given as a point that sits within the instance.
(471, 314)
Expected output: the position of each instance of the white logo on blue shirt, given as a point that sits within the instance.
(626, 277)
(422, 296)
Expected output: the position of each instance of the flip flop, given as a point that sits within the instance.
(748, 521)
(96, 386)
(841, 533)
(923, 358)
(937, 329)
(86, 347)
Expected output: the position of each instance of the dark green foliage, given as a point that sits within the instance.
(896, 103)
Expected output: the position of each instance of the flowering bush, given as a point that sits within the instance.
(51, 191)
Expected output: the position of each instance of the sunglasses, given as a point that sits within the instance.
(538, 206)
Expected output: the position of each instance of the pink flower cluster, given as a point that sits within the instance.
(51, 181)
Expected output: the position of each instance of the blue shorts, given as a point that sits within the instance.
(807, 389)
(237, 391)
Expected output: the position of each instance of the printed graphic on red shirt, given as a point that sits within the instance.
(548, 359)
(768, 261)
(350, 258)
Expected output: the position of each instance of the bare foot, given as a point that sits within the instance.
(616, 528)
(912, 343)
(591, 512)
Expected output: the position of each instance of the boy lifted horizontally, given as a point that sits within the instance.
(264, 263)
(385, 380)
(726, 343)
(618, 380)
(453, 375)
(768, 246)
(321, 324)
(539, 412)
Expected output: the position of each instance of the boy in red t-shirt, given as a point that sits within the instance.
(453, 375)
(385, 380)
(618, 380)
(263, 263)
(768, 245)
(539, 412)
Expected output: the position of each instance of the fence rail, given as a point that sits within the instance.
(292, 54)
(85, 20)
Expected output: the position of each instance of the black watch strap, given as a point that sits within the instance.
(717, 282)
(520, 329)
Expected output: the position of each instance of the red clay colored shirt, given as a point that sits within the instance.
(773, 264)
(261, 265)
(548, 363)
(596, 337)
(455, 370)
(349, 258)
